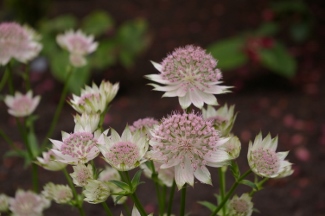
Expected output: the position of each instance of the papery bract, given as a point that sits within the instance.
(61, 194)
(240, 206)
(190, 74)
(82, 174)
(49, 161)
(21, 105)
(96, 191)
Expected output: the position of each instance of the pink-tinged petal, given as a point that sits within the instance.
(196, 99)
(157, 66)
(282, 155)
(9, 100)
(170, 163)
(57, 144)
(184, 175)
(203, 175)
(207, 98)
(157, 78)
(217, 156)
(184, 101)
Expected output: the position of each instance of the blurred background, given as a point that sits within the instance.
(270, 51)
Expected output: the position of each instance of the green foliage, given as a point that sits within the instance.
(130, 40)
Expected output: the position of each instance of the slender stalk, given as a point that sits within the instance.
(163, 199)
(10, 79)
(4, 78)
(74, 191)
(183, 201)
(26, 77)
(222, 186)
(8, 140)
(157, 187)
(171, 199)
(107, 210)
(259, 185)
(230, 192)
(58, 108)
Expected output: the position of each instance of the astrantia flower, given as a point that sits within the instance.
(59, 193)
(240, 206)
(96, 191)
(223, 118)
(94, 99)
(18, 42)
(21, 105)
(108, 174)
(264, 161)
(28, 203)
(49, 161)
(233, 147)
(190, 74)
(188, 143)
(4, 203)
(88, 122)
(77, 147)
(78, 45)
(143, 125)
(82, 174)
(125, 152)
(165, 176)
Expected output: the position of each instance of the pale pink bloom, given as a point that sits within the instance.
(165, 176)
(88, 121)
(21, 105)
(49, 161)
(78, 45)
(223, 118)
(82, 174)
(264, 161)
(124, 152)
(61, 194)
(18, 42)
(28, 203)
(144, 125)
(96, 191)
(188, 143)
(240, 206)
(190, 74)
(94, 99)
(77, 147)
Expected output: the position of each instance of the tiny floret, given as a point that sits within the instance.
(78, 45)
(28, 203)
(124, 152)
(190, 74)
(82, 174)
(18, 42)
(188, 143)
(240, 206)
(264, 161)
(96, 192)
(61, 194)
(21, 105)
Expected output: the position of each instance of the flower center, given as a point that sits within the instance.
(22, 105)
(240, 206)
(79, 145)
(123, 153)
(265, 161)
(88, 97)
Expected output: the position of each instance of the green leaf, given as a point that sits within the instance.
(58, 24)
(300, 31)
(79, 78)
(249, 183)
(229, 53)
(105, 55)
(124, 186)
(278, 60)
(136, 179)
(97, 23)
(15, 153)
(33, 144)
(267, 29)
(235, 170)
(209, 205)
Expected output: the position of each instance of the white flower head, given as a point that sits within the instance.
(28, 203)
(94, 99)
(21, 105)
(86, 122)
(233, 147)
(17, 42)
(264, 161)
(4, 203)
(61, 194)
(165, 176)
(123, 152)
(49, 161)
(190, 74)
(77, 147)
(78, 45)
(96, 191)
(144, 125)
(240, 206)
(82, 174)
(188, 143)
(223, 118)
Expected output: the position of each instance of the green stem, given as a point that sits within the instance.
(10, 79)
(8, 140)
(259, 186)
(222, 182)
(163, 199)
(171, 198)
(230, 192)
(58, 108)
(157, 187)
(107, 210)
(35, 177)
(183, 200)
(4, 78)
(74, 191)
(26, 77)
(102, 118)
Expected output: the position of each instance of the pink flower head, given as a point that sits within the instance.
(49, 161)
(78, 45)
(78, 147)
(18, 42)
(124, 152)
(190, 74)
(28, 203)
(188, 143)
(143, 125)
(22, 105)
(264, 161)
